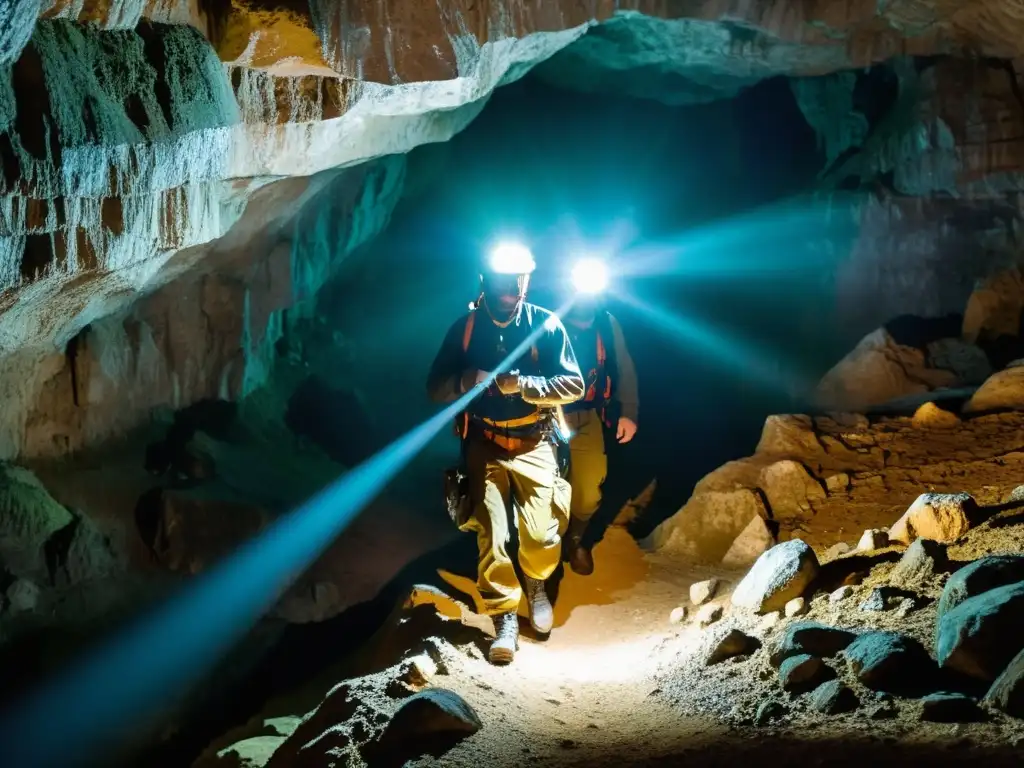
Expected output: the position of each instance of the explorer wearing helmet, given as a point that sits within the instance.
(520, 356)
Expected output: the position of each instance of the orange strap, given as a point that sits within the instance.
(602, 356)
(467, 332)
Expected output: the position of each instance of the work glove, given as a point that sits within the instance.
(472, 377)
(508, 383)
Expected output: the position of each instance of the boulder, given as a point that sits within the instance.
(922, 561)
(788, 435)
(980, 576)
(196, 527)
(254, 752)
(431, 720)
(812, 638)
(735, 643)
(930, 416)
(790, 490)
(677, 615)
(716, 527)
(702, 591)
(752, 542)
(873, 539)
(875, 371)
(833, 698)
(888, 661)
(994, 307)
(941, 517)
(950, 708)
(967, 361)
(981, 636)
(802, 673)
(29, 518)
(779, 575)
(81, 552)
(1002, 391)
(1007, 692)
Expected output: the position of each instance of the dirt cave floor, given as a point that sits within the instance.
(619, 683)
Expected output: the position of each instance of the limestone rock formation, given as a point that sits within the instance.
(876, 371)
(979, 636)
(887, 462)
(1002, 391)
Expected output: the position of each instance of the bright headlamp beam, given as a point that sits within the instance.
(590, 276)
(137, 673)
(511, 259)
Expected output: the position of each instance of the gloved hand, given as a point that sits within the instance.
(473, 377)
(508, 383)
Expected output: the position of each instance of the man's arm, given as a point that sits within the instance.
(447, 380)
(562, 382)
(626, 383)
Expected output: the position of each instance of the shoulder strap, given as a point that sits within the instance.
(467, 332)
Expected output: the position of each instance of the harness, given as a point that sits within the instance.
(501, 433)
(598, 395)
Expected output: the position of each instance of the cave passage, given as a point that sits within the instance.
(722, 269)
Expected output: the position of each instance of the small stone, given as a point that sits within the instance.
(837, 550)
(809, 637)
(873, 539)
(949, 708)
(768, 711)
(930, 416)
(703, 591)
(922, 561)
(419, 670)
(840, 594)
(874, 602)
(796, 607)
(833, 698)
(678, 615)
(772, 619)
(736, 643)
(708, 614)
(941, 517)
(803, 673)
(779, 575)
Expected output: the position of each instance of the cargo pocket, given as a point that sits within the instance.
(561, 499)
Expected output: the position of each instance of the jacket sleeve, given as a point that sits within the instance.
(562, 382)
(626, 382)
(444, 382)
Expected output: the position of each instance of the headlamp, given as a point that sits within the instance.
(590, 276)
(511, 259)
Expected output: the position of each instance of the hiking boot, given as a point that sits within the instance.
(506, 639)
(580, 559)
(542, 617)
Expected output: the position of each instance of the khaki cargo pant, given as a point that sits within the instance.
(530, 478)
(589, 466)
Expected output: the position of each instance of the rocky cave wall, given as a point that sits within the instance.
(142, 141)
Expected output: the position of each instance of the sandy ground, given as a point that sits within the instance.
(617, 683)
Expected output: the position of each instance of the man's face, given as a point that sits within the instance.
(503, 291)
